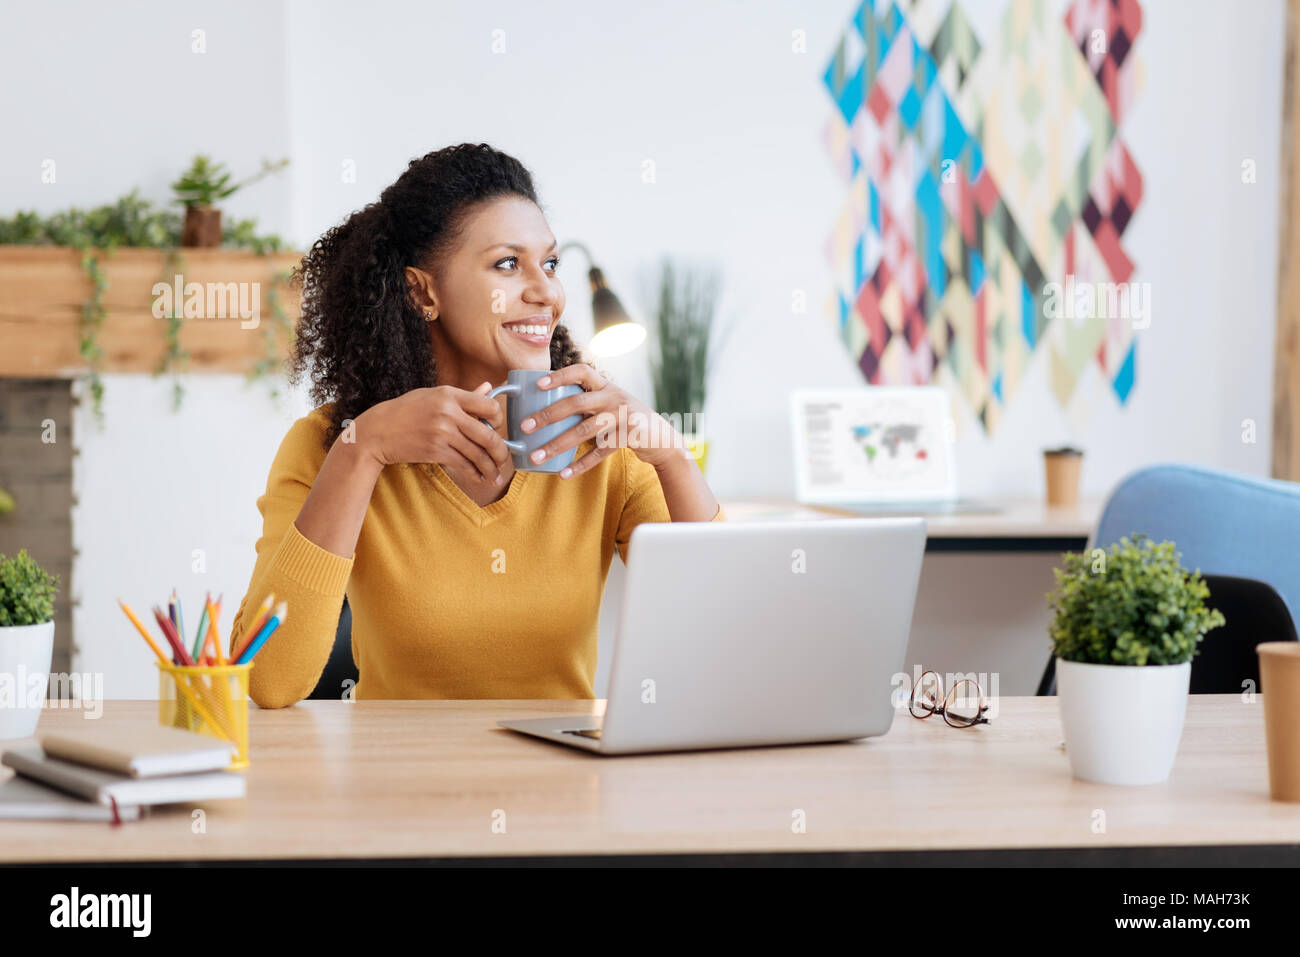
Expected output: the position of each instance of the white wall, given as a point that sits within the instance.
(733, 119)
(583, 94)
(116, 97)
(166, 500)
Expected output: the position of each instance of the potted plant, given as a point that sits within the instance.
(679, 369)
(26, 642)
(1127, 625)
(199, 188)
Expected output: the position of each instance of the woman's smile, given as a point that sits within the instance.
(535, 331)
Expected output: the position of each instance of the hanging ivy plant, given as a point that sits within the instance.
(136, 222)
(93, 314)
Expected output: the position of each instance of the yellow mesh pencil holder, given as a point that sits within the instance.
(209, 700)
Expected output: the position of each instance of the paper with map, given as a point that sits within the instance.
(874, 444)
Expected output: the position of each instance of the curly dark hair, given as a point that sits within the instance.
(360, 334)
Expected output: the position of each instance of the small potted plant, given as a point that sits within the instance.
(685, 300)
(1127, 625)
(199, 188)
(26, 642)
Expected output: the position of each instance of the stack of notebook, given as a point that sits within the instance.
(112, 773)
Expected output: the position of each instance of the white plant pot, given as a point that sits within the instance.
(1122, 722)
(25, 655)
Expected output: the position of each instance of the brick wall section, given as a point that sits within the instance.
(39, 477)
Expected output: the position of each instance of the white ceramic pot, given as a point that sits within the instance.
(25, 655)
(1122, 722)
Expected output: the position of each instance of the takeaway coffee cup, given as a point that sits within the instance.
(1062, 467)
(524, 398)
(1279, 681)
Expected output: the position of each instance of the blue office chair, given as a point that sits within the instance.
(1227, 525)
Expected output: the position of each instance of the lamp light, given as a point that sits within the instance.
(616, 332)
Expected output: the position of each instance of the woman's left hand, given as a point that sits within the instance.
(611, 417)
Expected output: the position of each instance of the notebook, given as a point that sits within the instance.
(95, 784)
(143, 751)
(24, 798)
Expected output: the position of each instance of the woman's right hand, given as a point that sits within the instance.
(438, 425)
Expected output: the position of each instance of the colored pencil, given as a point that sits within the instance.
(180, 621)
(221, 683)
(204, 640)
(171, 616)
(201, 635)
(143, 633)
(214, 630)
(169, 632)
(179, 654)
(272, 623)
(263, 613)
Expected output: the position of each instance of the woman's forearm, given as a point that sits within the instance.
(335, 508)
(688, 496)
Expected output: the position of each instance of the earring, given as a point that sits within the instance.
(428, 316)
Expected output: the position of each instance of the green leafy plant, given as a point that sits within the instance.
(279, 327)
(136, 222)
(26, 591)
(1132, 605)
(175, 358)
(130, 221)
(685, 300)
(205, 182)
(6, 502)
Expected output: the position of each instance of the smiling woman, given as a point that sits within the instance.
(466, 579)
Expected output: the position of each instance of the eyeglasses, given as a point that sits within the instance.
(959, 711)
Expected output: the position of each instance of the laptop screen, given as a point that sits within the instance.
(873, 444)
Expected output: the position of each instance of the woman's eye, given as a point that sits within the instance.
(554, 260)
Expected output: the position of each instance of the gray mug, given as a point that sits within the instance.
(526, 399)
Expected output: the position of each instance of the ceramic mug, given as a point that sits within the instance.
(526, 399)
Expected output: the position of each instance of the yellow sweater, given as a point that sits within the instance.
(449, 600)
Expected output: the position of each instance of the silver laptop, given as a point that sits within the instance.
(742, 634)
(878, 450)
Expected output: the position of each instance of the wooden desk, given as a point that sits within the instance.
(1017, 525)
(423, 779)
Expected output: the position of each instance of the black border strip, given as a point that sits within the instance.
(1230, 855)
(1064, 543)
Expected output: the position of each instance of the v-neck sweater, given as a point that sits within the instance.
(448, 599)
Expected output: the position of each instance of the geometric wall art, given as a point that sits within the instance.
(984, 177)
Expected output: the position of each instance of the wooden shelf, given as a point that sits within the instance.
(43, 288)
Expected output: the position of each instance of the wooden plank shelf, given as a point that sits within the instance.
(43, 289)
